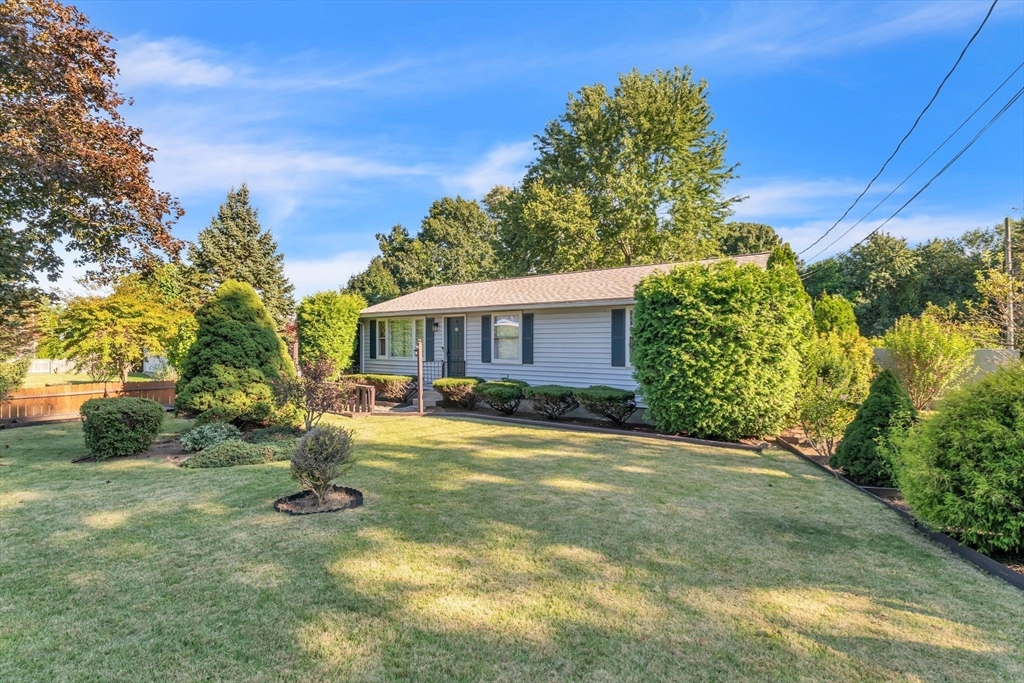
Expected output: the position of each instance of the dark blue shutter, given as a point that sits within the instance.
(619, 337)
(485, 339)
(428, 341)
(373, 339)
(528, 338)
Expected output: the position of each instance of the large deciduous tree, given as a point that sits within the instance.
(236, 247)
(748, 238)
(72, 171)
(640, 169)
(375, 284)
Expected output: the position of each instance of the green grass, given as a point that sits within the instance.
(483, 552)
(43, 379)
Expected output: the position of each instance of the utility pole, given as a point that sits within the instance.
(1009, 276)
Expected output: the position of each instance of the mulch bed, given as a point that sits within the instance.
(794, 438)
(304, 503)
(167, 449)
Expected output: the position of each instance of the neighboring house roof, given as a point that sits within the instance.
(558, 289)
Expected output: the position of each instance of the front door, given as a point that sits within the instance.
(455, 346)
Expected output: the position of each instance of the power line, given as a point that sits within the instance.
(926, 160)
(942, 170)
(904, 139)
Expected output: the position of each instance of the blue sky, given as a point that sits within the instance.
(345, 119)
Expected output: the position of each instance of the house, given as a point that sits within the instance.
(566, 328)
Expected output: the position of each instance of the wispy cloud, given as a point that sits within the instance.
(171, 62)
(317, 275)
(503, 165)
(792, 197)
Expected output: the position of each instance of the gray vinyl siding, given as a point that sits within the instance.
(571, 346)
(392, 366)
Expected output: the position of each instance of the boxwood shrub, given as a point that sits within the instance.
(459, 390)
(231, 453)
(717, 349)
(503, 395)
(962, 470)
(614, 405)
(120, 426)
(552, 400)
(203, 436)
(398, 388)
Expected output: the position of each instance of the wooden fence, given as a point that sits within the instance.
(64, 400)
(359, 401)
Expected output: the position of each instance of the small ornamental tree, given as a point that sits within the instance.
(962, 470)
(320, 457)
(315, 392)
(237, 354)
(717, 349)
(930, 355)
(327, 324)
(886, 407)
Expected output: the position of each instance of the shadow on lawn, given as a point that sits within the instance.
(529, 554)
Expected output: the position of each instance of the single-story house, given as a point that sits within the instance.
(566, 328)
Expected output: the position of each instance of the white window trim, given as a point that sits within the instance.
(386, 322)
(494, 346)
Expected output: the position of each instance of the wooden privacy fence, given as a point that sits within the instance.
(64, 400)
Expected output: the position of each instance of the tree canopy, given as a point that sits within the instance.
(748, 238)
(236, 247)
(375, 284)
(72, 171)
(635, 175)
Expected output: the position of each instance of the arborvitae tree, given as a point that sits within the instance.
(236, 356)
(833, 313)
(858, 454)
(375, 284)
(235, 247)
(327, 325)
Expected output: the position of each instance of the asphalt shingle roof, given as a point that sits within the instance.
(583, 287)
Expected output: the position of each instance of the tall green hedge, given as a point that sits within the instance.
(327, 323)
(717, 349)
(237, 353)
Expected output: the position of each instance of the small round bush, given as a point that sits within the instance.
(204, 436)
(887, 406)
(232, 453)
(120, 426)
(962, 469)
(503, 395)
(614, 405)
(320, 457)
(459, 390)
(552, 400)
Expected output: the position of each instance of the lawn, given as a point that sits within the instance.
(42, 379)
(484, 552)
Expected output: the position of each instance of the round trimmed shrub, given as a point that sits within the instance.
(962, 469)
(232, 453)
(120, 426)
(203, 436)
(503, 395)
(552, 400)
(459, 390)
(886, 407)
(614, 405)
(717, 349)
(235, 357)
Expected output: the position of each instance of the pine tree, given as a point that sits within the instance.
(228, 371)
(886, 405)
(235, 247)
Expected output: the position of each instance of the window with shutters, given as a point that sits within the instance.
(397, 338)
(506, 337)
(382, 339)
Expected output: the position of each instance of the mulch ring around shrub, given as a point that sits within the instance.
(167, 449)
(304, 503)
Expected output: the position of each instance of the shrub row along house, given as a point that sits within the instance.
(567, 328)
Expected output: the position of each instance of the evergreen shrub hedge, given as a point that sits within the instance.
(398, 388)
(232, 453)
(962, 470)
(614, 405)
(459, 390)
(552, 400)
(717, 349)
(120, 426)
(503, 395)
(203, 436)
